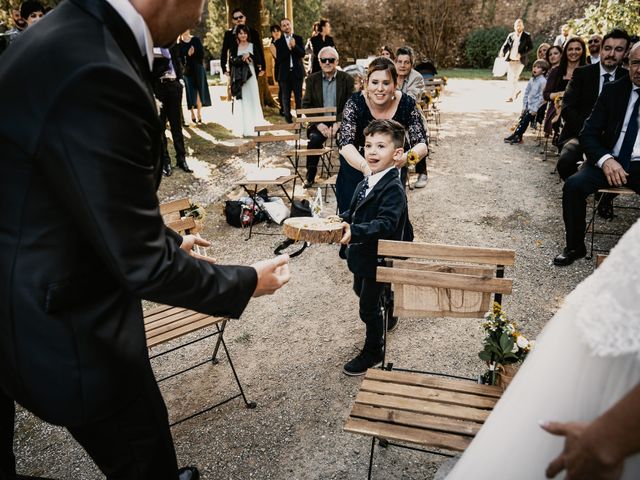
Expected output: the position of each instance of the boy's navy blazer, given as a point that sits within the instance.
(381, 215)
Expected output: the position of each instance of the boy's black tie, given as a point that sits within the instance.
(362, 193)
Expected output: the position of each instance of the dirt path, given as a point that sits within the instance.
(289, 349)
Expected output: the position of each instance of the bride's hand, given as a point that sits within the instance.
(582, 457)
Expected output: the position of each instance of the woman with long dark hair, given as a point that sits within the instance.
(574, 55)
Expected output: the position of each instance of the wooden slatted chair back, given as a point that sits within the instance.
(268, 137)
(173, 214)
(450, 281)
(315, 115)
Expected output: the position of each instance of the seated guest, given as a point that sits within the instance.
(553, 56)
(377, 210)
(328, 88)
(386, 51)
(581, 95)
(410, 82)
(573, 56)
(610, 140)
(532, 100)
(379, 100)
(541, 53)
(594, 43)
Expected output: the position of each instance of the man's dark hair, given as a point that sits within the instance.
(405, 51)
(383, 64)
(30, 6)
(387, 127)
(237, 10)
(275, 28)
(617, 33)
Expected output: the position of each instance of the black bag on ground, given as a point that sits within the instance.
(301, 208)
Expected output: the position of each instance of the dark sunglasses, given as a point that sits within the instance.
(238, 17)
(593, 41)
(327, 60)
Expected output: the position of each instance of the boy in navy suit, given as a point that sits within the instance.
(378, 211)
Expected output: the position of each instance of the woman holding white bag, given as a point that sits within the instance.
(515, 51)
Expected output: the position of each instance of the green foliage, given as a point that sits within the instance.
(216, 26)
(606, 15)
(305, 12)
(482, 46)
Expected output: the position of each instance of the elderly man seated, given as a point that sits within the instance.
(329, 87)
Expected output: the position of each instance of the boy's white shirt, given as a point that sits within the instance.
(373, 179)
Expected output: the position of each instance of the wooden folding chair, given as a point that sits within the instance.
(417, 408)
(165, 323)
(264, 135)
(306, 117)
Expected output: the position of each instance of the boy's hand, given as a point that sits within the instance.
(346, 233)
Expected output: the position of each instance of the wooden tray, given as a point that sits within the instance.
(313, 230)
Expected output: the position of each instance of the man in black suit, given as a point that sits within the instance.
(581, 94)
(610, 140)
(230, 44)
(167, 73)
(328, 88)
(82, 239)
(290, 52)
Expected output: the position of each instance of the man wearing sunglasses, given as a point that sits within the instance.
(595, 43)
(230, 45)
(329, 87)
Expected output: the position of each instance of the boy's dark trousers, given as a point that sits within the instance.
(370, 293)
(525, 120)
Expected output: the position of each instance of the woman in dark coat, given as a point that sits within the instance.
(195, 76)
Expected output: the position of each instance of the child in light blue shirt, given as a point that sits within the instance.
(532, 100)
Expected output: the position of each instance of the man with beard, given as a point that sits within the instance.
(581, 95)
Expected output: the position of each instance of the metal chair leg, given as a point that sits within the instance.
(373, 444)
(248, 404)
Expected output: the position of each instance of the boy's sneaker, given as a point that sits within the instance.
(515, 140)
(363, 361)
(509, 139)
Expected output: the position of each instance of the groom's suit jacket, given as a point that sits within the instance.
(81, 236)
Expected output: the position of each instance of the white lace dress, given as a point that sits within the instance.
(586, 359)
(247, 112)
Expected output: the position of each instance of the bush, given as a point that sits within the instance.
(482, 46)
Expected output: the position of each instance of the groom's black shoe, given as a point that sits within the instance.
(567, 257)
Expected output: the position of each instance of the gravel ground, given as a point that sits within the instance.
(289, 348)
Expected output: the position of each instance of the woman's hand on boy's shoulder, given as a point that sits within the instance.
(346, 233)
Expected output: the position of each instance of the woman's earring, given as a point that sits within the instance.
(393, 97)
